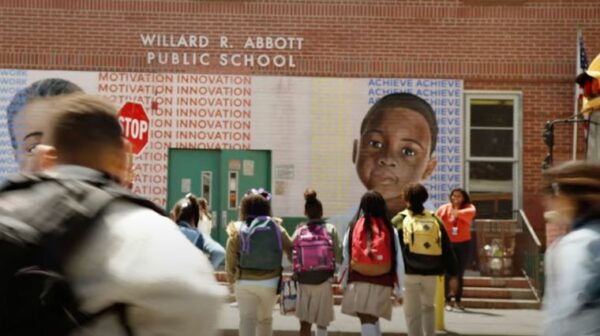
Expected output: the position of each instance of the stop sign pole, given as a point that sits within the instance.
(135, 125)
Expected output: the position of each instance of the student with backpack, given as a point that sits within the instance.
(373, 267)
(427, 254)
(253, 258)
(316, 251)
(186, 213)
(79, 254)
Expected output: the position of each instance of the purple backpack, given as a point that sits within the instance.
(313, 250)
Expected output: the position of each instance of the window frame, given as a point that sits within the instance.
(517, 157)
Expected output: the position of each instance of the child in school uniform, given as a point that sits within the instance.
(427, 254)
(373, 267)
(316, 252)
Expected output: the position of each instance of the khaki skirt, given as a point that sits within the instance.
(367, 298)
(315, 303)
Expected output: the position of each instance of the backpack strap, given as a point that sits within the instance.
(404, 215)
(244, 241)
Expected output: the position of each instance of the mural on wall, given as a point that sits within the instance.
(308, 123)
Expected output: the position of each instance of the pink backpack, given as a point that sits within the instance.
(313, 250)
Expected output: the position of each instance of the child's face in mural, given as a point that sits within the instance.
(394, 150)
(29, 127)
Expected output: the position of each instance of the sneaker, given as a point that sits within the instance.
(460, 306)
(449, 306)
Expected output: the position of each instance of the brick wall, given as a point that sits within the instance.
(527, 46)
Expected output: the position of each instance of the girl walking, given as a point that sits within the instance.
(253, 262)
(316, 251)
(427, 254)
(373, 266)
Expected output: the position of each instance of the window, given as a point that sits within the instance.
(493, 156)
(232, 192)
(206, 191)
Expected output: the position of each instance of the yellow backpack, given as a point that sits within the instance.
(422, 233)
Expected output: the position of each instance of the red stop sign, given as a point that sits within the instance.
(135, 125)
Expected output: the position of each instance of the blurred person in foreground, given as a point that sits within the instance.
(134, 256)
(572, 294)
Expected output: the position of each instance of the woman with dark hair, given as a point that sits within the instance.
(186, 213)
(572, 294)
(205, 222)
(427, 254)
(373, 268)
(457, 217)
(253, 262)
(316, 251)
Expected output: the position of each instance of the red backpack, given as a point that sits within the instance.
(371, 257)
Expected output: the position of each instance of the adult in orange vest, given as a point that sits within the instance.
(457, 217)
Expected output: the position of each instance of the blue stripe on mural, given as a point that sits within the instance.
(11, 81)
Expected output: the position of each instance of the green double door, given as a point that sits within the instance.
(222, 177)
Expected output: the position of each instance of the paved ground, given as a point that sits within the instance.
(471, 322)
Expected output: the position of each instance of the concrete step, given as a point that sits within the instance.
(503, 282)
(500, 303)
(498, 293)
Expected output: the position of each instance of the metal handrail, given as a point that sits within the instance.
(530, 258)
(530, 228)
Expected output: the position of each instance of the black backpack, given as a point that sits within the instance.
(42, 220)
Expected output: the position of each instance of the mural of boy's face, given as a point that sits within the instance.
(394, 149)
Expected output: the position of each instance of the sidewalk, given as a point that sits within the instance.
(471, 322)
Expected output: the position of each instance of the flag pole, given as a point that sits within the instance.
(576, 99)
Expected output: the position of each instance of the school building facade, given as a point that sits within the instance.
(296, 77)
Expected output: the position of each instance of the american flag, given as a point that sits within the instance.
(583, 60)
(582, 65)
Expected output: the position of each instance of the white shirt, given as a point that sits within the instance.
(205, 225)
(138, 257)
(572, 267)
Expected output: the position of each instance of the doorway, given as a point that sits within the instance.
(222, 177)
